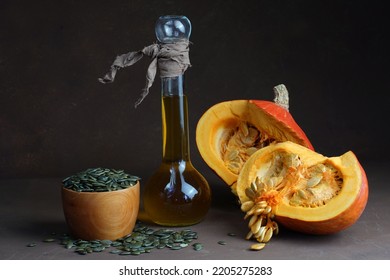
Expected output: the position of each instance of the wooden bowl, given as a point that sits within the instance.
(101, 215)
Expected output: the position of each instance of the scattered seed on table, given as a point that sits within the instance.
(197, 246)
(142, 240)
(231, 234)
(257, 246)
(125, 253)
(32, 244)
(49, 240)
(222, 242)
(69, 244)
(115, 251)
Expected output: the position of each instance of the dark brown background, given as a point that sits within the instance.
(56, 119)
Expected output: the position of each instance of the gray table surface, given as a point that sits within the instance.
(31, 210)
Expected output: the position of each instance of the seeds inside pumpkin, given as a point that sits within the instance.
(286, 178)
(240, 143)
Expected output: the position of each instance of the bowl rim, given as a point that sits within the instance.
(105, 192)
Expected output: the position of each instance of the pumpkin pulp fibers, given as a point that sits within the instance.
(239, 143)
(284, 178)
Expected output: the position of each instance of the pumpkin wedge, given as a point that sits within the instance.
(291, 185)
(229, 132)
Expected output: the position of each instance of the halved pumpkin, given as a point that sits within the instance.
(305, 191)
(229, 132)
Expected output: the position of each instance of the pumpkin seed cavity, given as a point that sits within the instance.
(286, 178)
(240, 143)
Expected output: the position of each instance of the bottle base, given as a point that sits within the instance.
(177, 224)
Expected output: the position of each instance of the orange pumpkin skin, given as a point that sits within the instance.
(336, 224)
(224, 118)
(284, 116)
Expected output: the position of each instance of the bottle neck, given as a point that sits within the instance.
(174, 120)
(172, 86)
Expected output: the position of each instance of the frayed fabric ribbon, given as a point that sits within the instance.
(172, 59)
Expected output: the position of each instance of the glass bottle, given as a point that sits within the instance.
(176, 194)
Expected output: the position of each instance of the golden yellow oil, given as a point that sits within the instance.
(177, 194)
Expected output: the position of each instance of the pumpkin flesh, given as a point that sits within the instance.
(339, 213)
(230, 132)
(307, 191)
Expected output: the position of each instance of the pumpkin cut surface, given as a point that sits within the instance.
(229, 132)
(289, 184)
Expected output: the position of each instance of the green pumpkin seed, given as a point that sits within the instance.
(116, 244)
(98, 249)
(135, 245)
(198, 246)
(81, 251)
(69, 244)
(115, 251)
(99, 180)
(125, 253)
(141, 240)
(49, 240)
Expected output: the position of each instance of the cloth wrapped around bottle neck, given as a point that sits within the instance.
(172, 59)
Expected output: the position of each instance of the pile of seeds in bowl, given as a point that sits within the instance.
(100, 180)
(142, 240)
